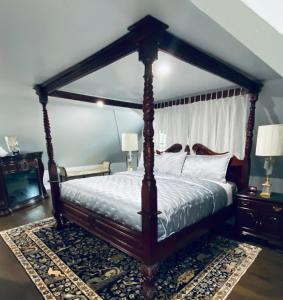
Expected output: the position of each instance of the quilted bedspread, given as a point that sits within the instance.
(182, 200)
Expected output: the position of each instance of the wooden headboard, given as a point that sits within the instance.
(237, 171)
(173, 149)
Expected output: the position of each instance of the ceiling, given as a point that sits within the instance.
(270, 11)
(41, 38)
(124, 79)
(246, 22)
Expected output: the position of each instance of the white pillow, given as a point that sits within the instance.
(171, 163)
(212, 167)
(167, 163)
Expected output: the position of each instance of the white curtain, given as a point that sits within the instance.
(218, 124)
(173, 122)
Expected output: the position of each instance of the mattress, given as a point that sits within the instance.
(182, 200)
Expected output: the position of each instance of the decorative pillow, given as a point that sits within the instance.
(213, 167)
(167, 163)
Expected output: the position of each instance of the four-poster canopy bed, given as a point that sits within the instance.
(147, 37)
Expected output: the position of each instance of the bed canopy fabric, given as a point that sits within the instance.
(147, 36)
(218, 124)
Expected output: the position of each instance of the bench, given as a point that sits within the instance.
(84, 171)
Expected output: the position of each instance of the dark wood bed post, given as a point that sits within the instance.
(249, 137)
(146, 34)
(52, 167)
(147, 54)
(250, 125)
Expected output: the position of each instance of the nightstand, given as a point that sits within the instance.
(258, 217)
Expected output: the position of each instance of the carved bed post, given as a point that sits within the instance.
(147, 54)
(249, 138)
(146, 34)
(250, 125)
(52, 167)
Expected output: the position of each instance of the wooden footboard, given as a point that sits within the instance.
(125, 239)
(130, 241)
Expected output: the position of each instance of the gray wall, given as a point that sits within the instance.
(82, 133)
(269, 111)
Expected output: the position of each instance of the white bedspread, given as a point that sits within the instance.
(182, 201)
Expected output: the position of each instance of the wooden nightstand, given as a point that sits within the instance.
(262, 218)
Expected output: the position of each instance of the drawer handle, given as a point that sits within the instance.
(276, 208)
(246, 203)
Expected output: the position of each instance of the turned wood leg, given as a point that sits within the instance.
(58, 219)
(148, 289)
(4, 211)
(64, 220)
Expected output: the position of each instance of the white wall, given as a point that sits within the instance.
(82, 133)
(269, 111)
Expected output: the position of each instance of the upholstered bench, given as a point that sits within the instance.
(84, 171)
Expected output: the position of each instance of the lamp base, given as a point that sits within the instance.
(266, 189)
(265, 195)
(129, 162)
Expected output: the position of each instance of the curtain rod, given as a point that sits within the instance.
(213, 95)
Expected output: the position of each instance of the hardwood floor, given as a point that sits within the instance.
(14, 282)
(263, 280)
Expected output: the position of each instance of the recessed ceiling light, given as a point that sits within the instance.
(100, 103)
(163, 68)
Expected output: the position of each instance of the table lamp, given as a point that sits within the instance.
(12, 144)
(269, 144)
(129, 143)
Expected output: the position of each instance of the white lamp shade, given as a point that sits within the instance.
(130, 142)
(270, 140)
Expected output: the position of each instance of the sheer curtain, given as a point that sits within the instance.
(171, 125)
(218, 124)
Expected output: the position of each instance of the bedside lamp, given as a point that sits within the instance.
(269, 144)
(129, 143)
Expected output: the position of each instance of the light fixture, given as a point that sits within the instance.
(129, 143)
(269, 144)
(163, 68)
(99, 103)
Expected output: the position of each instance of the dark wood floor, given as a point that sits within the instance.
(263, 280)
(14, 282)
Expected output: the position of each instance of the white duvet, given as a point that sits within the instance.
(182, 200)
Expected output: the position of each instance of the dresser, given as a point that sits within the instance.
(21, 181)
(262, 218)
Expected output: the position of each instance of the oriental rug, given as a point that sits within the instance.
(73, 264)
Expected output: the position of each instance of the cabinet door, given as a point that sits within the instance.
(247, 219)
(271, 225)
(22, 186)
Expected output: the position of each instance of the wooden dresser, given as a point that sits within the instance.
(21, 181)
(262, 218)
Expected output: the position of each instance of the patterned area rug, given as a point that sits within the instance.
(73, 264)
